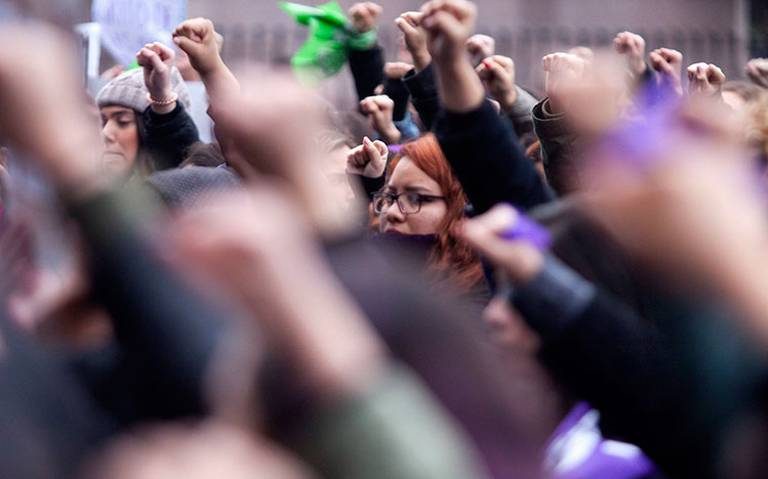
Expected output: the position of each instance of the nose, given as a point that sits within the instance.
(108, 132)
(393, 214)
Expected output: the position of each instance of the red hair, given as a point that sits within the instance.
(451, 256)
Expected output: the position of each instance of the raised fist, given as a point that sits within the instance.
(705, 78)
(585, 53)
(157, 61)
(449, 24)
(498, 75)
(757, 71)
(368, 159)
(669, 64)
(480, 47)
(364, 16)
(198, 39)
(415, 38)
(379, 110)
(562, 72)
(632, 46)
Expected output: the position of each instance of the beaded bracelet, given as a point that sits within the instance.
(174, 97)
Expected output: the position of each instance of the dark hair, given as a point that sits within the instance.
(144, 164)
(204, 154)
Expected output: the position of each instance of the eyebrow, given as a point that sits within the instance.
(409, 189)
(417, 189)
(116, 114)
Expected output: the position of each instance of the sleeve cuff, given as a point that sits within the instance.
(548, 125)
(523, 105)
(422, 84)
(553, 298)
(163, 118)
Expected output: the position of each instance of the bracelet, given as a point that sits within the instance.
(165, 102)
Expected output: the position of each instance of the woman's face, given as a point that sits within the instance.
(120, 135)
(408, 178)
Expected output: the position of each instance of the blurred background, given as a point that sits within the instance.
(725, 32)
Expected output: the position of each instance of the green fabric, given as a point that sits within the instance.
(394, 430)
(330, 36)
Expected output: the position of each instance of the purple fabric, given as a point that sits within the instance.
(395, 149)
(641, 141)
(598, 458)
(528, 230)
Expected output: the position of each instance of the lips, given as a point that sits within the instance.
(111, 153)
(393, 229)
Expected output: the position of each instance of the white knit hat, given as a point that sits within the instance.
(129, 90)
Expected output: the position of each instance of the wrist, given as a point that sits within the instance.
(508, 99)
(373, 170)
(529, 264)
(210, 69)
(164, 103)
(637, 66)
(391, 135)
(164, 109)
(460, 88)
(421, 60)
(552, 106)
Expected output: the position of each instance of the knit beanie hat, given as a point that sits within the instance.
(128, 90)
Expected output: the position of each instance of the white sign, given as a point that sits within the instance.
(127, 25)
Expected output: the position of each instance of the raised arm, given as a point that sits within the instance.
(170, 131)
(616, 360)
(366, 64)
(481, 149)
(198, 38)
(498, 75)
(420, 81)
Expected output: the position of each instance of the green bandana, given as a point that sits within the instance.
(330, 37)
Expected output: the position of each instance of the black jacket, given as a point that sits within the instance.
(167, 137)
(367, 68)
(674, 389)
(488, 161)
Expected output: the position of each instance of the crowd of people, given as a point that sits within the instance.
(209, 271)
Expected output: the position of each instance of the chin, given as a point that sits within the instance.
(116, 168)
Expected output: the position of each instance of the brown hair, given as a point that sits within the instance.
(451, 256)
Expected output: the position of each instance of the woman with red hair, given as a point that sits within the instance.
(423, 200)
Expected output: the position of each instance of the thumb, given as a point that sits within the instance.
(496, 69)
(382, 147)
(405, 27)
(155, 60)
(442, 22)
(370, 149)
(187, 45)
(482, 70)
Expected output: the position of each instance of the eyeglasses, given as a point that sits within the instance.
(408, 203)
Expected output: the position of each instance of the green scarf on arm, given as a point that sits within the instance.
(330, 38)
